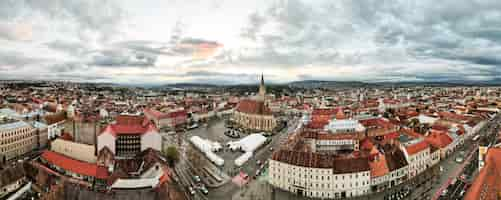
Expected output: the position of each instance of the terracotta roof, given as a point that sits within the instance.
(417, 147)
(67, 136)
(440, 127)
(391, 136)
(395, 158)
(317, 124)
(487, 185)
(253, 107)
(452, 116)
(315, 160)
(75, 166)
(438, 139)
(131, 120)
(155, 113)
(366, 144)
(391, 101)
(410, 133)
(340, 114)
(55, 118)
(379, 166)
(130, 125)
(377, 122)
(330, 112)
(180, 113)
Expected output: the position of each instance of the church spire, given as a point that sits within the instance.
(262, 88)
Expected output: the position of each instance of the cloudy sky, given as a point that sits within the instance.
(233, 41)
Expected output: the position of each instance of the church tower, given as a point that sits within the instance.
(262, 88)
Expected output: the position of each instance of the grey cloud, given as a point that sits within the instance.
(101, 16)
(125, 54)
(72, 48)
(256, 21)
(370, 32)
(17, 59)
(150, 47)
(67, 67)
(122, 58)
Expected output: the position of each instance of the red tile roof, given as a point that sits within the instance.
(440, 127)
(391, 136)
(131, 120)
(340, 114)
(366, 144)
(438, 139)
(180, 113)
(253, 107)
(378, 122)
(155, 113)
(487, 185)
(410, 133)
(330, 112)
(316, 160)
(418, 147)
(67, 136)
(55, 118)
(317, 124)
(452, 116)
(391, 101)
(379, 166)
(130, 125)
(75, 166)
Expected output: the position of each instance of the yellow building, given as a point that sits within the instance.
(78, 151)
(18, 138)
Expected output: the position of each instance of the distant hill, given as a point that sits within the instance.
(309, 84)
(187, 86)
(327, 84)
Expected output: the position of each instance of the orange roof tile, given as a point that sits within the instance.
(487, 185)
(75, 166)
(253, 107)
(418, 147)
(438, 139)
(379, 166)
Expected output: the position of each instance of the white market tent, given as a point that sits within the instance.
(249, 143)
(208, 147)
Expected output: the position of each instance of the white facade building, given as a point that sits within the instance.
(320, 178)
(344, 126)
(417, 154)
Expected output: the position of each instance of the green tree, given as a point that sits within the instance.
(172, 155)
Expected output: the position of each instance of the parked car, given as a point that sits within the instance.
(203, 189)
(194, 126)
(191, 190)
(459, 159)
(444, 193)
(258, 172)
(197, 179)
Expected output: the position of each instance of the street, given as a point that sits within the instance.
(430, 183)
(192, 162)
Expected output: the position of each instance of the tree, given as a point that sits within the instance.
(172, 155)
(413, 124)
